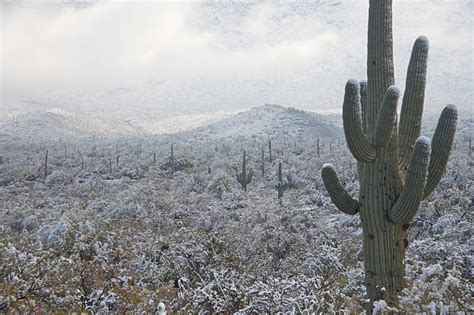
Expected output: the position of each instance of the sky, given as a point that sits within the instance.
(227, 55)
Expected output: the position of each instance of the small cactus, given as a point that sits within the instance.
(244, 177)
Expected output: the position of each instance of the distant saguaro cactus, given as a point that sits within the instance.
(279, 185)
(270, 151)
(262, 166)
(397, 168)
(46, 165)
(244, 177)
(317, 147)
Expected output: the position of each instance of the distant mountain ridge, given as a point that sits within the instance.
(268, 120)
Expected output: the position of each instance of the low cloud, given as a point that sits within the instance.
(300, 53)
(114, 43)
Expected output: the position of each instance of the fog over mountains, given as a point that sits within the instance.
(161, 60)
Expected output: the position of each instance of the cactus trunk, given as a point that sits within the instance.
(384, 245)
(384, 242)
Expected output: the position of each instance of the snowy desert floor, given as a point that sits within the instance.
(112, 228)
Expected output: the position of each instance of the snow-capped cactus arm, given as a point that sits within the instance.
(413, 99)
(339, 196)
(441, 146)
(363, 103)
(407, 204)
(357, 142)
(387, 118)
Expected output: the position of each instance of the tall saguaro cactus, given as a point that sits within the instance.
(397, 168)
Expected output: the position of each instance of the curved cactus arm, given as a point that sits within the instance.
(413, 99)
(407, 204)
(387, 118)
(338, 194)
(441, 144)
(357, 142)
(363, 103)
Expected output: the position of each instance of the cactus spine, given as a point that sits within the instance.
(397, 168)
(244, 177)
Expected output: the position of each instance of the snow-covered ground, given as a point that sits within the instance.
(110, 230)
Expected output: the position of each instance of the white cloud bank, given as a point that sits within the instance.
(304, 50)
(115, 42)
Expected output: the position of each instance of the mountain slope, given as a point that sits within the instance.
(271, 121)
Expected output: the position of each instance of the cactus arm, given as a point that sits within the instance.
(363, 103)
(413, 99)
(441, 147)
(387, 118)
(339, 196)
(249, 176)
(407, 204)
(357, 142)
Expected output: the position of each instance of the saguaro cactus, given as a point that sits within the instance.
(317, 147)
(270, 150)
(244, 177)
(397, 168)
(279, 186)
(46, 165)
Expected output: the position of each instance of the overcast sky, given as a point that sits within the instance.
(304, 50)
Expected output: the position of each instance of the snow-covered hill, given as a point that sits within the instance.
(271, 121)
